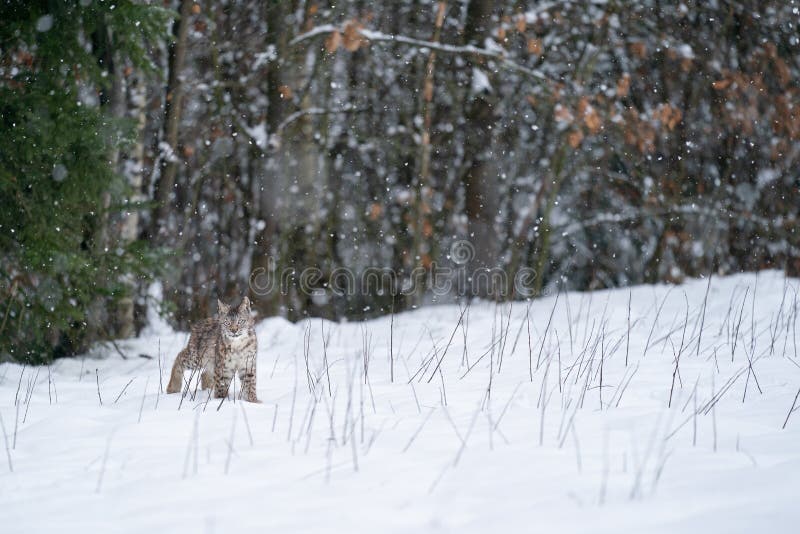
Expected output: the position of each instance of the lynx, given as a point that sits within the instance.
(218, 347)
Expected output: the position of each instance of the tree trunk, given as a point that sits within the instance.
(481, 177)
(294, 181)
(131, 167)
(172, 114)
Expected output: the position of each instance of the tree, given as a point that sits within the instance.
(58, 184)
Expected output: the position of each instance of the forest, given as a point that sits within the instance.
(163, 154)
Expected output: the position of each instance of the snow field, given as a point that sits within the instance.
(471, 435)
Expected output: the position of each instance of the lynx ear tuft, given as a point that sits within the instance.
(245, 305)
(222, 308)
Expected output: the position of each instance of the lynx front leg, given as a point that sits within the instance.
(223, 376)
(248, 378)
(207, 378)
(176, 378)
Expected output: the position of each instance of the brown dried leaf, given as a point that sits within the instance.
(782, 71)
(669, 116)
(521, 24)
(375, 211)
(646, 141)
(638, 49)
(575, 138)
(719, 85)
(535, 46)
(583, 105)
(352, 38)
(426, 261)
(333, 42)
(624, 86)
(25, 58)
(592, 120)
(424, 206)
(286, 92)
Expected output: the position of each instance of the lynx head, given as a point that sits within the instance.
(234, 322)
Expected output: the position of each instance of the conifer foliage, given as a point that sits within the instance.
(61, 266)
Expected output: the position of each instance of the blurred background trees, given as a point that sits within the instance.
(599, 143)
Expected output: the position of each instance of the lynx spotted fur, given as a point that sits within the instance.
(219, 347)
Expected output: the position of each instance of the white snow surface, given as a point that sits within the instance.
(436, 453)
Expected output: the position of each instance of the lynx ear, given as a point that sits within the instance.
(245, 305)
(222, 308)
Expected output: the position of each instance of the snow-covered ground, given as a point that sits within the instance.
(471, 436)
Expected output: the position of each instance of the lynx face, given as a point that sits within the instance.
(234, 323)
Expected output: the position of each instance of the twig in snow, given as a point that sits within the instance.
(703, 315)
(160, 373)
(449, 342)
(49, 384)
(416, 433)
(325, 354)
(530, 347)
(750, 371)
(19, 385)
(714, 414)
(5, 439)
(680, 350)
(116, 348)
(16, 426)
(546, 329)
(543, 402)
(466, 437)
(505, 408)
(655, 321)
(144, 396)
(123, 389)
(602, 364)
(97, 378)
(628, 333)
(453, 424)
(192, 445)
(504, 337)
(230, 444)
(791, 409)
(353, 445)
(391, 345)
(246, 423)
(739, 323)
(30, 395)
(558, 348)
(103, 464)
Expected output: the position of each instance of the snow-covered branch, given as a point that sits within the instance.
(496, 53)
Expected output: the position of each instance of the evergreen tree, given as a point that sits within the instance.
(60, 265)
